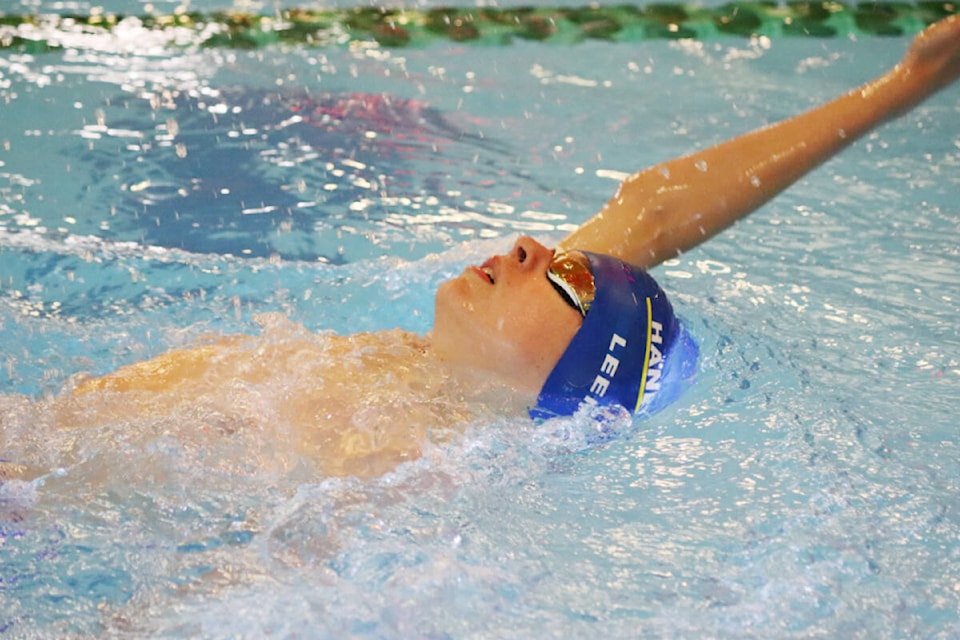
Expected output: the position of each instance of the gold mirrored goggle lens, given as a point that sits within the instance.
(569, 273)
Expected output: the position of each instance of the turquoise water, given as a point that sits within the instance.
(806, 487)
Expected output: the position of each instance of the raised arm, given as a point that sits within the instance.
(669, 208)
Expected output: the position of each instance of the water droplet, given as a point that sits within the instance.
(701, 165)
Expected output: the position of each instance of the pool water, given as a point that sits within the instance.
(807, 486)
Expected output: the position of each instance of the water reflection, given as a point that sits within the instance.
(299, 175)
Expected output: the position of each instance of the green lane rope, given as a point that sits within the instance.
(411, 28)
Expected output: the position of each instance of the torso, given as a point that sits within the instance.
(354, 405)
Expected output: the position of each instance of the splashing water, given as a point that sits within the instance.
(152, 198)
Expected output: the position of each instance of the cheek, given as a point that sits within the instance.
(519, 333)
(520, 325)
(534, 326)
(542, 335)
(483, 334)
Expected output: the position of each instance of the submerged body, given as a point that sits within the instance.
(353, 405)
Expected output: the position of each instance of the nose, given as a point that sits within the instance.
(530, 254)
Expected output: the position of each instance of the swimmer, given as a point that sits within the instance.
(539, 330)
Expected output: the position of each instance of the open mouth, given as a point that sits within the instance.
(486, 271)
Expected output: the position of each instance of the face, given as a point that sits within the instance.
(505, 318)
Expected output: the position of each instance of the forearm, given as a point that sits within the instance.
(670, 208)
(674, 206)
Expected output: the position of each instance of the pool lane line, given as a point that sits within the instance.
(490, 26)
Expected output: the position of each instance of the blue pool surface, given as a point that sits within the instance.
(807, 486)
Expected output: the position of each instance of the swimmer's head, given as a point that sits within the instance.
(525, 320)
(504, 320)
(630, 351)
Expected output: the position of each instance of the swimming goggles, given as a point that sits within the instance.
(570, 275)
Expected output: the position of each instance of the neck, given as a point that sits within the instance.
(477, 384)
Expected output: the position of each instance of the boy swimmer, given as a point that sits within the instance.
(553, 329)
(660, 212)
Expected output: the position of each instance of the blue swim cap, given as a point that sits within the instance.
(631, 350)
